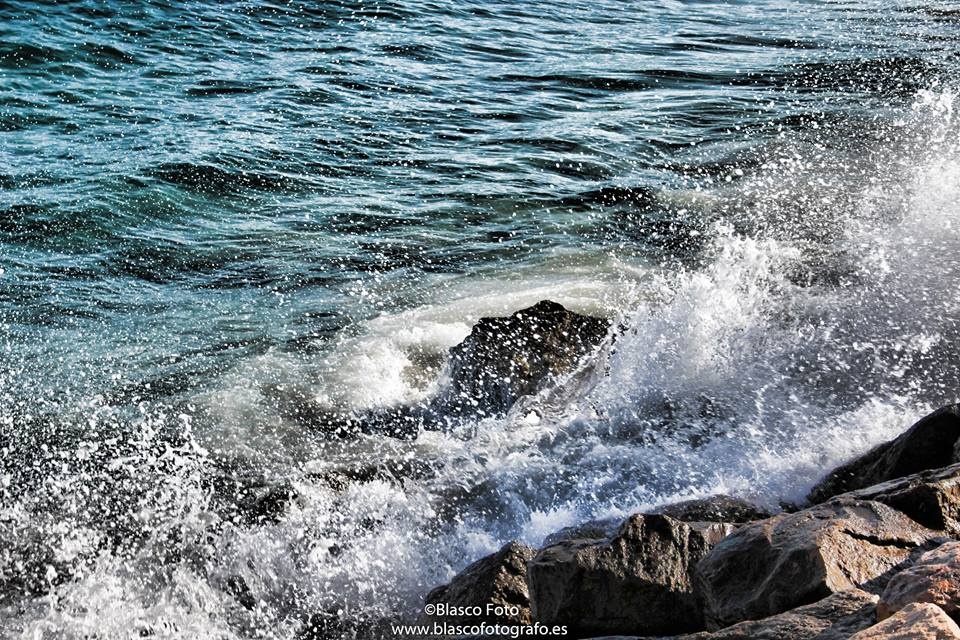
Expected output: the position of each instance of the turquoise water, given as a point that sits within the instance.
(210, 214)
(202, 183)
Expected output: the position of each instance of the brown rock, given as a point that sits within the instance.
(918, 621)
(935, 578)
(504, 359)
(499, 579)
(835, 617)
(638, 581)
(929, 444)
(774, 565)
(931, 498)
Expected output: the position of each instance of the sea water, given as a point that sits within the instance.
(213, 215)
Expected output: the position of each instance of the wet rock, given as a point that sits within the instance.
(790, 560)
(931, 498)
(392, 470)
(929, 444)
(267, 504)
(330, 625)
(919, 621)
(718, 508)
(501, 361)
(836, 617)
(237, 587)
(935, 578)
(243, 495)
(403, 422)
(637, 581)
(497, 584)
(504, 359)
(600, 529)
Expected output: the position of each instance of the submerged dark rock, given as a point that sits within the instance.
(931, 443)
(638, 581)
(504, 359)
(334, 625)
(392, 470)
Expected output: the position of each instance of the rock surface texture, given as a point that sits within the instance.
(499, 579)
(929, 444)
(790, 560)
(931, 498)
(836, 617)
(871, 562)
(920, 621)
(935, 578)
(638, 581)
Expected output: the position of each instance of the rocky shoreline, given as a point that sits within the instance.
(873, 554)
(881, 561)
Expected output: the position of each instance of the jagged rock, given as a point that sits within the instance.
(935, 578)
(499, 580)
(504, 359)
(718, 508)
(836, 617)
(931, 498)
(638, 581)
(918, 621)
(789, 560)
(931, 443)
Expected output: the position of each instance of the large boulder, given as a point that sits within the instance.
(836, 617)
(935, 578)
(929, 444)
(504, 359)
(789, 560)
(919, 621)
(931, 498)
(494, 586)
(638, 581)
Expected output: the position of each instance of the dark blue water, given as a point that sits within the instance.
(210, 213)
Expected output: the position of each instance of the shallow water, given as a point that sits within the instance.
(212, 216)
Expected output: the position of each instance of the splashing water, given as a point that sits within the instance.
(786, 294)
